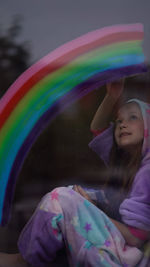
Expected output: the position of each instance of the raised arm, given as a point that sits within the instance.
(103, 114)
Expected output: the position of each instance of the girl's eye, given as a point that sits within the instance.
(133, 117)
(118, 121)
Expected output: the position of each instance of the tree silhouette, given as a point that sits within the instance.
(14, 57)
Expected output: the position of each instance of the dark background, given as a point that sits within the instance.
(60, 156)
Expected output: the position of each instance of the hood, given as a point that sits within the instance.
(145, 110)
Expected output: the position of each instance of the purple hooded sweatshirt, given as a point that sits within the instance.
(135, 208)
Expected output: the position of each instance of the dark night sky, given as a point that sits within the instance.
(48, 24)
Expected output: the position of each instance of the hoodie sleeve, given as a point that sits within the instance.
(102, 144)
(135, 210)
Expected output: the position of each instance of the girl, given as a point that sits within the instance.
(69, 218)
(125, 146)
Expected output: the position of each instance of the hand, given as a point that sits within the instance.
(82, 192)
(115, 89)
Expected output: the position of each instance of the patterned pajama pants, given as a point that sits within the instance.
(64, 219)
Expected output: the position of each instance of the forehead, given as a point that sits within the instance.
(129, 108)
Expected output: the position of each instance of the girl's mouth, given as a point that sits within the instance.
(124, 134)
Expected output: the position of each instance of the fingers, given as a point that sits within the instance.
(75, 188)
(115, 89)
(82, 192)
(78, 189)
(115, 83)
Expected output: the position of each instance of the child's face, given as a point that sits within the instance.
(129, 129)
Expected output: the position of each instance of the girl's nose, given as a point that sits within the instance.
(123, 124)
